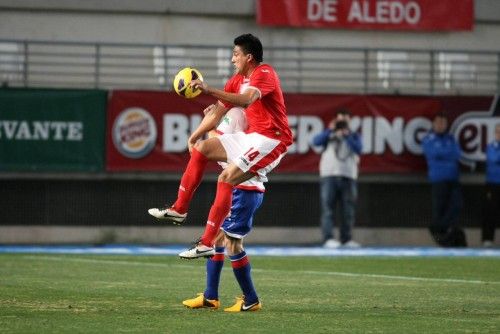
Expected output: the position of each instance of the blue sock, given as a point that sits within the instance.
(214, 268)
(241, 268)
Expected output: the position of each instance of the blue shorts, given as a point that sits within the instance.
(243, 207)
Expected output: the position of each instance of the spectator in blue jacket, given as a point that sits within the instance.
(492, 203)
(338, 170)
(442, 154)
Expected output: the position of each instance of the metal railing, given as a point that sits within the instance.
(302, 70)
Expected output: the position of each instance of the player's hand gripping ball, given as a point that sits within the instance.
(182, 82)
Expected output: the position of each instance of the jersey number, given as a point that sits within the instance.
(251, 154)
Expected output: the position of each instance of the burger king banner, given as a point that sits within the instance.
(416, 15)
(148, 131)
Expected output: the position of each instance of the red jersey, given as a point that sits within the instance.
(267, 115)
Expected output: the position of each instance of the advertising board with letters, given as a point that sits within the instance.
(148, 131)
(52, 130)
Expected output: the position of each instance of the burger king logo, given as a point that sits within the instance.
(134, 133)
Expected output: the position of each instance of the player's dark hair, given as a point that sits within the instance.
(250, 45)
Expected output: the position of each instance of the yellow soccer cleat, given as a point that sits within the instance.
(201, 302)
(241, 307)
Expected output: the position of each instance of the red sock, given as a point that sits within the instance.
(218, 212)
(190, 180)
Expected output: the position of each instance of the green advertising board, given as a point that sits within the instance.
(52, 130)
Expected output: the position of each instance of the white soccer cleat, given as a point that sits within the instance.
(351, 244)
(487, 244)
(198, 250)
(331, 243)
(168, 214)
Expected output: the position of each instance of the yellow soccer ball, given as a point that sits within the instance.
(182, 81)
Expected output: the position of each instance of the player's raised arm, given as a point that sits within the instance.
(243, 100)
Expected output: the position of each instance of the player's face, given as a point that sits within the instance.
(497, 132)
(240, 60)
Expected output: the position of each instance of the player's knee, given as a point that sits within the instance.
(200, 146)
(228, 176)
(220, 239)
(225, 177)
(234, 246)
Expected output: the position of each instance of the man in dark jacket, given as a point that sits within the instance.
(491, 214)
(442, 154)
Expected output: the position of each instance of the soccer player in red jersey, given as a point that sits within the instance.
(247, 198)
(255, 152)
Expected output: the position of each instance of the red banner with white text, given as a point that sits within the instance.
(415, 15)
(148, 131)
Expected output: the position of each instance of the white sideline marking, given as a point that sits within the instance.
(311, 272)
(259, 250)
(407, 278)
(119, 262)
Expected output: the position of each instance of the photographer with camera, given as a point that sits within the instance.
(338, 170)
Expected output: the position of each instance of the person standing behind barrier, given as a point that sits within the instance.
(442, 154)
(338, 170)
(492, 203)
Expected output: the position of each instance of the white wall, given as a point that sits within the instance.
(181, 29)
(484, 10)
(200, 7)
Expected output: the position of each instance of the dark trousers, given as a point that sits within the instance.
(343, 190)
(491, 213)
(446, 206)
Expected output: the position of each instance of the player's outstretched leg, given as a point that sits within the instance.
(218, 212)
(241, 268)
(210, 298)
(190, 181)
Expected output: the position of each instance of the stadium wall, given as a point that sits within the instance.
(72, 209)
(213, 22)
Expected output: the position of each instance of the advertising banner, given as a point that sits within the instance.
(414, 15)
(148, 131)
(52, 130)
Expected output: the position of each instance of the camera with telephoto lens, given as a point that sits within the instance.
(340, 125)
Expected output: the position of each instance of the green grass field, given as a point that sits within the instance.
(143, 294)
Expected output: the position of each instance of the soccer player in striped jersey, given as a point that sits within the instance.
(247, 197)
